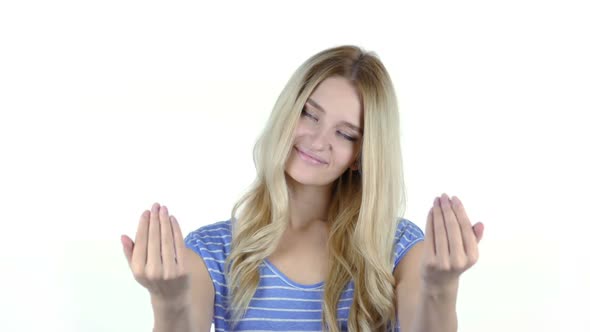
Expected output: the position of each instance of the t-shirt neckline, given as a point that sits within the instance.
(286, 279)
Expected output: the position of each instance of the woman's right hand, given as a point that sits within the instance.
(157, 257)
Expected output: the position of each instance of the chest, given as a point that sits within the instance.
(280, 305)
(302, 258)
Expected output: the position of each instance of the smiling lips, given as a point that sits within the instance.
(310, 158)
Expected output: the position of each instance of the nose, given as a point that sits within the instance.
(320, 140)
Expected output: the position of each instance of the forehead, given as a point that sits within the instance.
(338, 96)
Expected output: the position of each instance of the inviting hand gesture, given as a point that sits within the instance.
(450, 244)
(156, 258)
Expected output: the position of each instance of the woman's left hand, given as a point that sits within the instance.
(450, 245)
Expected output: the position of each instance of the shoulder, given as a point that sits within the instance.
(219, 231)
(409, 251)
(407, 235)
(206, 250)
(211, 242)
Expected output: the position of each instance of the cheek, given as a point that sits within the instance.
(344, 155)
(299, 130)
(298, 137)
(302, 130)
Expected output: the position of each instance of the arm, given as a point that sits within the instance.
(177, 279)
(419, 308)
(195, 313)
(428, 276)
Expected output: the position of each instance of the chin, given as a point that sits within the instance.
(308, 177)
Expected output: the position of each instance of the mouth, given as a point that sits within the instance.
(306, 156)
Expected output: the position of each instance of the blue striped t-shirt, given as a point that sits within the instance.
(279, 304)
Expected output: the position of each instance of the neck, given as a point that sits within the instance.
(308, 204)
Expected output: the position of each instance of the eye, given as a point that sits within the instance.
(347, 137)
(309, 115)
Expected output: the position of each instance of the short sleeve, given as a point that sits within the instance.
(212, 242)
(406, 236)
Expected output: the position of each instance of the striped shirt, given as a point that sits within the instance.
(279, 304)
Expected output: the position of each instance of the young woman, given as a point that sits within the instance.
(318, 242)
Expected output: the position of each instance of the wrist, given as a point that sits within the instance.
(447, 290)
(170, 304)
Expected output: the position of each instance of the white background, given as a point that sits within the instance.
(109, 106)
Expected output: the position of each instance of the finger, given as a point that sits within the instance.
(167, 242)
(127, 247)
(453, 228)
(429, 245)
(139, 254)
(478, 231)
(154, 239)
(468, 235)
(178, 244)
(440, 233)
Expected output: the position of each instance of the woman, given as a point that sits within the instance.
(318, 241)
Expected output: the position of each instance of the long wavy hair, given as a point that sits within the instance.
(365, 208)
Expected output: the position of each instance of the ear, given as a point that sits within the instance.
(356, 165)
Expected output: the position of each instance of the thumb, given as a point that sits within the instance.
(127, 247)
(478, 231)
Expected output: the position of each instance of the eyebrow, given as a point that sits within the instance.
(319, 107)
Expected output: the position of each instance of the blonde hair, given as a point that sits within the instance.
(365, 208)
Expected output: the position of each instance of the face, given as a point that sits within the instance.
(328, 135)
